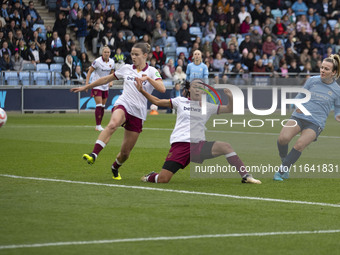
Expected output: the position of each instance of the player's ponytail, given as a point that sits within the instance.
(186, 88)
(145, 47)
(335, 60)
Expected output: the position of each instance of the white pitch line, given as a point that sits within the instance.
(168, 129)
(168, 238)
(174, 191)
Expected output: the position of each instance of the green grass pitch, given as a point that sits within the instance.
(50, 146)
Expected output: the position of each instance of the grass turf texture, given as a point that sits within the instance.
(51, 145)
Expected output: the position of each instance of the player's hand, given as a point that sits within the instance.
(139, 84)
(298, 110)
(78, 89)
(337, 118)
(110, 84)
(228, 92)
(144, 78)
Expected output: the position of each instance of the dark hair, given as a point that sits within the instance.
(145, 47)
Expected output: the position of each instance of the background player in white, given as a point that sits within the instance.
(100, 67)
(130, 109)
(325, 94)
(188, 144)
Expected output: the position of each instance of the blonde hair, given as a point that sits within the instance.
(335, 60)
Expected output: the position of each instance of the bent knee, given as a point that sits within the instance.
(299, 146)
(112, 126)
(283, 139)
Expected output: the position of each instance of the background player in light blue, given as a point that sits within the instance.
(325, 94)
(197, 69)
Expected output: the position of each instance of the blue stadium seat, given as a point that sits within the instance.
(332, 23)
(182, 49)
(57, 79)
(28, 67)
(25, 78)
(195, 31)
(59, 60)
(56, 67)
(171, 41)
(12, 78)
(41, 78)
(42, 67)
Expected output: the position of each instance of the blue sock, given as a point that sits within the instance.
(291, 158)
(283, 150)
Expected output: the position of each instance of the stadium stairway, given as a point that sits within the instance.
(49, 19)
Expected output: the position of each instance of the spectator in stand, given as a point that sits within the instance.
(45, 55)
(300, 8)
(232, 55)
(125, 5)
(249, 61)
(313, 16)
(224, 5)
(146, 39)
(169, 69)
(5, 49)
(200, 17)
(316, 6)
(32, 53)
(180, 6)
(256, 14)
(231, 14)
(138, 24)
(290, 55)
(179, 75)
(266, 14)
(321, 28)
(124, 24)
(37, 39)
(210, 31)
(85, 63)
(318, 45)
(279, 28)
(304, 56)
(93, 38)
(183, 36)
(172, 25)
(182, 61)
(219, 15)
(149, 24)
(243, 14)
(162, 10)
(60, 25)
(197, 69)
(217, 44)
(159, 55)
(221, 29)
(259, 67)
(30, 10)
(17, 61)
(4, 12)
(74, 13)
(78, 76)
(246, 44)
(137, 7)
(121, 43)
(107, 40)
(150, 10)
(81, 30)
(245, 26)
(303, 22)
(186, 15)
(159, 35)
(88, 10)
(284, 70)
(219, 62)
(233, 40)
(175, 12)
(68, 68)
(99, 12)
(333, 10)
(268, 46)
(233, 27)
(5, 62)
(307, 68)
(293, 67)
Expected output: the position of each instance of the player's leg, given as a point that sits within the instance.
(116, 120)
(165, 175)
(104, 100)
(129, 141)
(288, 132)
(98, 112)
(223, 148)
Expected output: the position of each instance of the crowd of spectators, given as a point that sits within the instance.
(238, 36)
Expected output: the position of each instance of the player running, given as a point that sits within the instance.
(130, 108)
(188, 137)
(102, 66)
(325, 94)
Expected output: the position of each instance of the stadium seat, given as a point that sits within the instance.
(12, 78)
(59, 60)
(28, 67)
(182, 49)
(57, 79)
(170, 40)
(332, 23)
(170, 50)
(195, 31)
(56, 67)
(25, 78)
(168, 83)
(41, 78)
(276, 13)
(42, 67)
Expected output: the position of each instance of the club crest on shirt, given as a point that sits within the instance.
(158, 74)
(330, 93)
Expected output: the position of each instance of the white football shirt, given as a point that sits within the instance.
(190, 122)
(133, 101)
(101, 69)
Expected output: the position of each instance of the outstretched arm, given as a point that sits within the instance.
(229, 107)
(101, 81)
(151, 98)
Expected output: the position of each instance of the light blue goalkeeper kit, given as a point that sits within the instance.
(323, 98)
